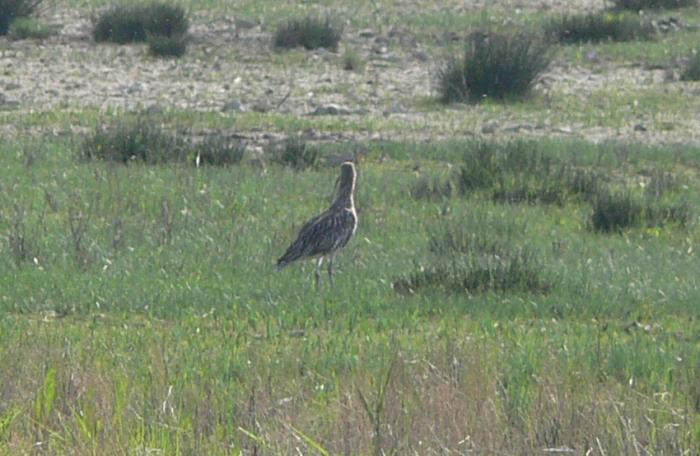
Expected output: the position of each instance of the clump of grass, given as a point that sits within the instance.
(352, 61)
(478, 254)
(219, 150)
(602, 26)
(511, 271)
(134, 140)
(27, 28)
(494, 65)
(297, 154)
(10, 10)
(616, 211)
(432, 189)
(691, 71)
(637, 5)
(309, 32)
(167, 46)
(519, 172)
(127, 23)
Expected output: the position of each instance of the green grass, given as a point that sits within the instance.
(147, 313)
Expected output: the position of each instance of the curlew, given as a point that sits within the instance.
(325, 234)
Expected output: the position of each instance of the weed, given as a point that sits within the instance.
(21, 246)
(10, 10)
(494, 65)
(129, 23)
(27, 28)
(309, 32)
(691, 70)
(297, 154)
(602, 26)
(167, 46)
(77, 228)
(615, 211)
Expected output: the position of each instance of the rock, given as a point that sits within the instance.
(395, 108)
(244, 24)
(12, 86)
(330, 110)
(640, 127)
(260, 107)
(565, 130)
(234, 105)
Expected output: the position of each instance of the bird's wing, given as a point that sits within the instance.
(320, 235)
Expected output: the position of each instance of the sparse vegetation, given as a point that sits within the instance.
(309, 32)
(10, 10)
(128, 23)
(29, 28)
(352, 61)
(601, 26)
(431, 188)
(219, 150)
(494, 65)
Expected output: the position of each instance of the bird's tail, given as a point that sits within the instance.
(281, 263)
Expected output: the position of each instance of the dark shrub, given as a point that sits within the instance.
(136, 22)
(494, 65)
(615, 212)
(297, 154)
(219, 150)
(637, 5)
(602, 26)
(167, 46)
(309, 32)
(13, 9)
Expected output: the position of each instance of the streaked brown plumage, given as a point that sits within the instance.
(325, 234)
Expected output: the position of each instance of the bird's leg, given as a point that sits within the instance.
(330, 269)
(318, 272)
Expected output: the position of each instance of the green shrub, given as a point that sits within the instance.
(691, 71)
(167, 46)
(13, 9)
(297, 154)
(129, 23)
(494, 65)
(309, 32)
(637, 5)
(25, 28)
(219, 150)
(602, 26)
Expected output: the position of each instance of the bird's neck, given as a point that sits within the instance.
(345, 199)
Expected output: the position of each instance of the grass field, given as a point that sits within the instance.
(473, 312)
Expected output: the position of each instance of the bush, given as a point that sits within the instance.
(494, 65)
(603, 26)
(309, 32)
(13, 9)
(139, 140)
(167, 46)
(691, 71)
(26, 28)
(219, 150)
(352, 61)
(136, 22)
(637, 5)
(297, 154)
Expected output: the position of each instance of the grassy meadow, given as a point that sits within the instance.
(515, 294)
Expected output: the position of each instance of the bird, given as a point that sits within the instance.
(325, 234)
